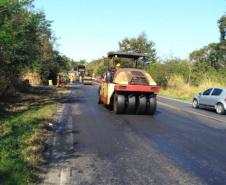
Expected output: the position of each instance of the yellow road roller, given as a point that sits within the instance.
(128, 90)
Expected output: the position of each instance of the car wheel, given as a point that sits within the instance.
(220, 109)
(195, 104)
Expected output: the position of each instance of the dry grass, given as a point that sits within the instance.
(178, 89)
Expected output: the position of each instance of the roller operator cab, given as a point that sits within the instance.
(128, 90)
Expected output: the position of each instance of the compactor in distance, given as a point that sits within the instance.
(87, 79)
(128, 90)
(80, 69)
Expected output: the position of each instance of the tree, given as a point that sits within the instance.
(222, 45)
(14, 31)
(162, 72)
(211, 55)
(141, 44)
(99, 66)
(26, 44)
(222, 27)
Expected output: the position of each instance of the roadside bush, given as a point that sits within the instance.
(162, 72)
(159, 74)
(23, 86)
(4, 83)
(178, 88)
(199, 72)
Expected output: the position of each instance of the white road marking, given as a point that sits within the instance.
(181, 101)
(65, 176)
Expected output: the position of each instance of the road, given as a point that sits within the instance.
(178, 145)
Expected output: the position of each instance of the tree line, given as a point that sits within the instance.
(205, 63)
(26, 45)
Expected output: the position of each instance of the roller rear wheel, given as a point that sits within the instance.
(131, 104)
(141, 104)
(151, 105)
(119, 103)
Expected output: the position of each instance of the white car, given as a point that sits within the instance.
(214, 98)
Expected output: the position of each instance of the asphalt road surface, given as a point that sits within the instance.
(178, 145)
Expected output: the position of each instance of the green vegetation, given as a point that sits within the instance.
(183, 79)
(26, 45)
(177, 88)
(141, 44)
(23, 134)
(99, 66)
(222, 25)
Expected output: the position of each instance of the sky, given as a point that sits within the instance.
(88, 29)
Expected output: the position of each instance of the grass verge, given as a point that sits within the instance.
(180, 90)
(22, 137)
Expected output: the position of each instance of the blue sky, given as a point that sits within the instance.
(88, 29)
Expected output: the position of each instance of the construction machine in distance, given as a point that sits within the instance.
(87, 79)
(128, 90)
(80, 69)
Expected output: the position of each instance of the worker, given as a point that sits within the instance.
(71, 79)
(117, 66)
(114, 69)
